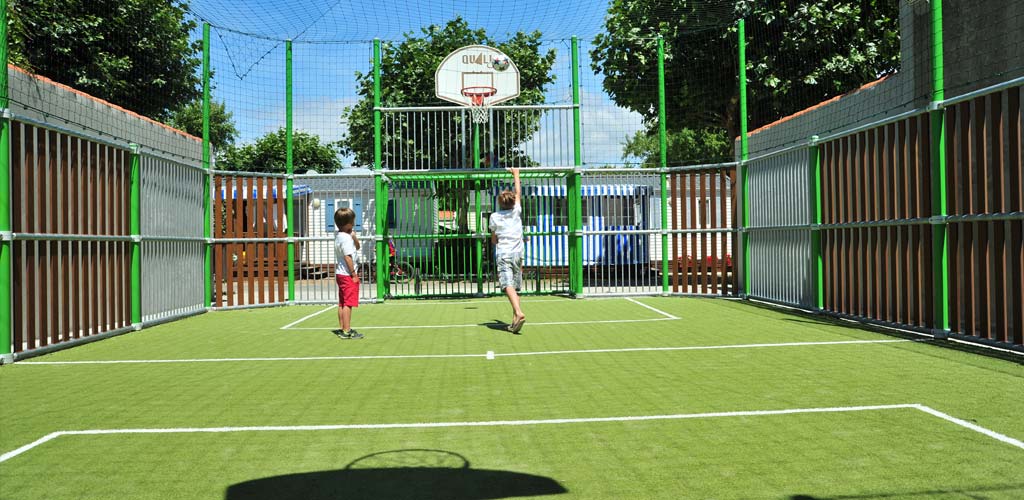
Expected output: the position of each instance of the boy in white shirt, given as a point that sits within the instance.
(345, 245)
(506, 228)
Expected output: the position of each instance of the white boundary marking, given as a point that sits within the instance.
(496, 423)
(304, 318)
(289, 326)
(468, 325)
(659, 311)
(428, 356)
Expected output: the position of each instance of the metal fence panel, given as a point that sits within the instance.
(172, 238)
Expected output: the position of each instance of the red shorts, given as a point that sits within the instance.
(348, 292)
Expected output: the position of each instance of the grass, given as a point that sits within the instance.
(589, 368)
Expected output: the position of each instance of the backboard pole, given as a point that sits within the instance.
(574, 184)
(663, 163)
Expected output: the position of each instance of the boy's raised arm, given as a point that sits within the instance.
(515, 178)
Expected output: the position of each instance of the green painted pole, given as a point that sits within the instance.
(574, 182)
(663, 163)
(940, 240)
(289, 149)
(207, 202)
(744, 155)
(814, 161)
(5, 196)
(380, 189)
(135, 229)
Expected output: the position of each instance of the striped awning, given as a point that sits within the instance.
(559, 190)
(297, 190)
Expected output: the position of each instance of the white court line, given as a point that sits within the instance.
(427, 356)
(468, 325)
(503, 423)
(285, 327)
(659, 311)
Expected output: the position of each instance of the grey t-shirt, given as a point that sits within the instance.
(508, 225)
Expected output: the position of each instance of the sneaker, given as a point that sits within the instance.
(352, 334)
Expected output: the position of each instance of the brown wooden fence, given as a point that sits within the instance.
(249, 272)
(985, 177)
(702, 262)
(73, 282)
(881, 273)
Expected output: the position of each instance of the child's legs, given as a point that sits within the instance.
(510, 278)
(345, 314)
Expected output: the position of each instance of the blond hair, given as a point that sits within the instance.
(507, 200)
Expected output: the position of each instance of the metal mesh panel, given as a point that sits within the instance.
(173, 243)
(781, 259)
(316, 200)
(621, 239)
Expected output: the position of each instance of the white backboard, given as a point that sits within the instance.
(473, 66)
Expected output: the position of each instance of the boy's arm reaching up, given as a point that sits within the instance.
(515, 178)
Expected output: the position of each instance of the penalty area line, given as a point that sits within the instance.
(505, 423)
(304, 318)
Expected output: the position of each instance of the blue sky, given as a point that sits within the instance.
(332, 42)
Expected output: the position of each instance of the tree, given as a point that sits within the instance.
(798, 54)
(133, 53)
(268, 154)
(190, 119)
(407, 79)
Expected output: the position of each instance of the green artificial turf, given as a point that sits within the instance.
(576, 359)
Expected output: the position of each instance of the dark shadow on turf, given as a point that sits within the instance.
(410, 474)
(496, 325)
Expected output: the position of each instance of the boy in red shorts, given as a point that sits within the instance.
(345, 246)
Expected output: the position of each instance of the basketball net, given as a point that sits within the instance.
(479, 112)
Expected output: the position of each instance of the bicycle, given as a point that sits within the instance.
(400, 271)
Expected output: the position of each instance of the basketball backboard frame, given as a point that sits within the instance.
(472, 66)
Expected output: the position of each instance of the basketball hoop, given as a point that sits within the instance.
(477, 108)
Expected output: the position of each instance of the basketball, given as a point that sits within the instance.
(500, 63)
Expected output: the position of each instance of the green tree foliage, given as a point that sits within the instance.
(407, 79)
(798, 55)
(190, 119)
(268, 154)
(133, 53)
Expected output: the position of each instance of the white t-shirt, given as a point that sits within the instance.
(343, 245)
(508, 225)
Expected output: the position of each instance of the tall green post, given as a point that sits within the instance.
(744, 155)
(937, 117)
(5, 196)
(207, 205)
(380, 189)
(814, 165)
(135, 229)
(663, 163)
(574, 183)
(289, 166)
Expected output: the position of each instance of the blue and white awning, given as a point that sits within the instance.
(267, 193)
(559, 190)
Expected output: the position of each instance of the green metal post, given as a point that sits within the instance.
(5, 196)
(663, 163)
(574, 182)
(744, 155)
(207, 202)
(814, 161)
(380, 189)
(940, 241)
(135, 229)
(289, 166)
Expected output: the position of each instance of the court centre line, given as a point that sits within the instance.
(505, 423)
(441, 356)
(304, 318)
(659, 311)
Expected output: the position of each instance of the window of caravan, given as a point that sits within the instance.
(619, 211)
(560, 212)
